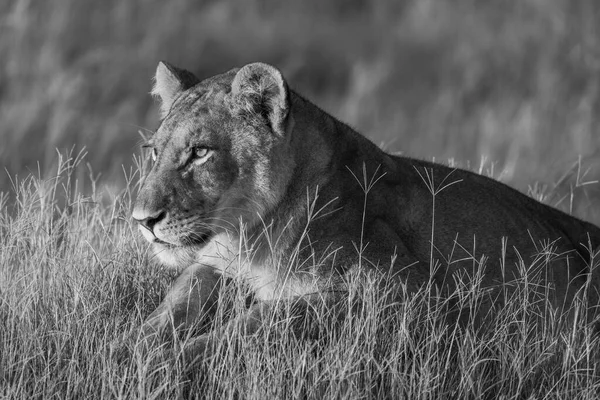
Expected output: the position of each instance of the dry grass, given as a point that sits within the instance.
(75, 278)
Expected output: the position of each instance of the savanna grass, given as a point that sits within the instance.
(75, 279)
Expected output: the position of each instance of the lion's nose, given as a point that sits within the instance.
(149, 220)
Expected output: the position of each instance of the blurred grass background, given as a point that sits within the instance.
(515, 82)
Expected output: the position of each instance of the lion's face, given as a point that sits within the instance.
(215, 163)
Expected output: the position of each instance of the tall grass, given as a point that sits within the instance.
(75, 278)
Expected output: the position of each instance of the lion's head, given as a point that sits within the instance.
(219, 156)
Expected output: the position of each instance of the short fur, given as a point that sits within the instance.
(311, 194)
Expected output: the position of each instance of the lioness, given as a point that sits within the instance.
(251, 180)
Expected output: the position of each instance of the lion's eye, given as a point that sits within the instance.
(200, 155)
(200, 152)
(154, 154)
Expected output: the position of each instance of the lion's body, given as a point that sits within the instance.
(317, 200)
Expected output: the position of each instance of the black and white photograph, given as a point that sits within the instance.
(300, 199)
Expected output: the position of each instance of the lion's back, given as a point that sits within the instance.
(474, 219)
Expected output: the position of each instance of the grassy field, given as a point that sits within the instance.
(75, 278)
(510, 89)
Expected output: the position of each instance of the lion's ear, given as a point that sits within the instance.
(169, 82)
(260, 89)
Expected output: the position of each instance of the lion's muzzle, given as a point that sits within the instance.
(147, 220)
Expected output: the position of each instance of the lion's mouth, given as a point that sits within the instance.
(162, 242)
(195, 240)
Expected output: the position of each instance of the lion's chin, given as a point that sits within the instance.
(178, 255)
(171, 256)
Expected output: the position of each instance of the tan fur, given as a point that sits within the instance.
(290, 200)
